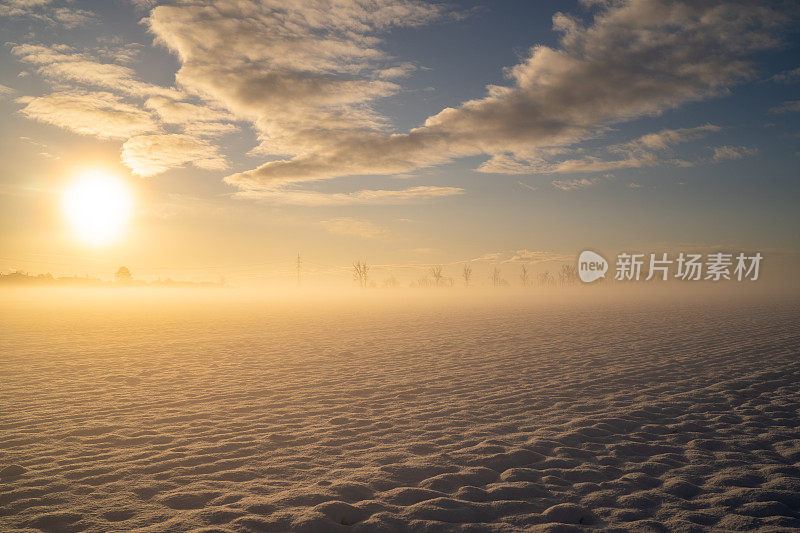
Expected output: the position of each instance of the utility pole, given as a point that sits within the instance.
(298, 269)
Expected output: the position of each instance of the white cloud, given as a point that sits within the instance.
(536, 256)
(73, 18)
(667, 138)
(490, 256)
(44, 11)
(576, 184)
(353, 226)
(307, 76)
(638, 153)
(521, 256)
(637, 58)
(362, 197)
(63, 64)
(148, 155)
(176, 112)
(6, 91)
(724, 153)
(107, 115)
(100, 114)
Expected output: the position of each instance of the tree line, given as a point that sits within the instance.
(435, 277)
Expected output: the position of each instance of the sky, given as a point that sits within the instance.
(398, 132)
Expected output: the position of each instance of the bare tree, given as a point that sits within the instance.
(423, 282)
(496, 279)
(436, 274)
(361, 273)
(299, 265)
(466, 273)
(524, 276)
(391, 282)
(567, 275)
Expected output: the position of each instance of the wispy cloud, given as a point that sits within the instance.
(576, 184)
(638, 153)
(536, 256)
(362, 197)
(521, 256)
(725, 153)
(787, 76)
(100, 114)
(45, 11)
(148, 155)
(61, 63)
(787, 107)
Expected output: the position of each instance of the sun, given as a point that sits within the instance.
(97, 206)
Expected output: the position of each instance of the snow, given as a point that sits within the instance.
(423, 416)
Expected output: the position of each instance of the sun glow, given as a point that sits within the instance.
(97, 206)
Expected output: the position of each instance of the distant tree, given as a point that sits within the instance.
(123, 275)
(524, 276)
(361, 273)
(436, 274)
(424, 282)
(497, 281)
(546, 279)
(466, 273)
(568, 275)
(391, 282)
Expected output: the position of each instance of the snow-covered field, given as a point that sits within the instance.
(422, 416)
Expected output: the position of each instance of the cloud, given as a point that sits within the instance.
(787, 107)
(61, 64)
(490, 256)
(148, 155)
(362, 197)
(787, 76)
(576, 184)
(200, 120)
(536, 256)
(43, 148)
(636, 58)
(638, 153)
(6, 91)
(209, 129)
(73, 18)
(106, 115)
(308, 76)
(175, 112)
(521, 256)
(100, 114)
(305, 74)
(43, 10)
(725, 153)
(353, 226)
(668, 138)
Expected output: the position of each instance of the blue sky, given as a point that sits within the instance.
(699, 148)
